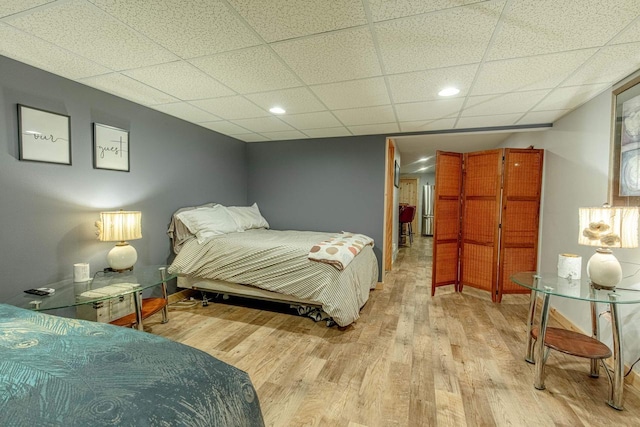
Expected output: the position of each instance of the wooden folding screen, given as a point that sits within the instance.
(446, 234)
(520, 216)
(480, 236)
(492, 221)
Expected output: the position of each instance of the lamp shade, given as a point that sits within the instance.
(120, 226)
(609, 227)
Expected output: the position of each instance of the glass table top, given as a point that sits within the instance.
(627, 291)
(68, 293)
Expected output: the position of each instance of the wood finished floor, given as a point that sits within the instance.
(410, 360)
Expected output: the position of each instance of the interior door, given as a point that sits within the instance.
(446, 232)
(480, 239)
(520, 216)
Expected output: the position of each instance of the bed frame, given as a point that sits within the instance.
(234, 289)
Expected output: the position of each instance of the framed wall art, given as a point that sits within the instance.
(396, 175)
(44, 136)
(110, 148)
(625, 180)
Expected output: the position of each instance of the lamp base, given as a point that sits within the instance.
(604, 270)
(122, 257)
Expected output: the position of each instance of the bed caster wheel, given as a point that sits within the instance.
(205, 299)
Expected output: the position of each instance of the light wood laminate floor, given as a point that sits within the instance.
(410, 360)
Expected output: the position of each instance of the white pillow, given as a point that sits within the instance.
(248, 217)
(208, 222)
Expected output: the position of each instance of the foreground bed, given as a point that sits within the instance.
(275, 265)
(58, 371)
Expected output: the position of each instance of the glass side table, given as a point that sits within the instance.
(570, 342)
(68, 292)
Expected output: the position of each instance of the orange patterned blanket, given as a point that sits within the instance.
(339, 250)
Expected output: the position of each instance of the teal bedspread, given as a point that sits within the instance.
(56, 371)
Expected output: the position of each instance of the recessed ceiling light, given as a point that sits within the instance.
(424, 159)
(449, 91)
(277, 110)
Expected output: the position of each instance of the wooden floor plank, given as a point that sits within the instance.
(454, 359)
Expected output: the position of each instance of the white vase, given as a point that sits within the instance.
(604, 269)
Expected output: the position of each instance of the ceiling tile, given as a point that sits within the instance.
(415, 126)
(425, 85)
(383, 10)
(256, 69)
(374, 129)
(453, 36)
(538, 72)
(566, 98)
(42, 54)
(287, 134)
(487, 121)
(428, 110)
(263, 124)
(251, 137)
(317, 120)
(187, 28)
(224, 127)
(128, 88)
(342, 55)
(424, 126)
(629, 34)
(180, 79)
(518, 102)
(85, 30)
(441, 124)
(186, 112)
(359, 93)
(328, 132)
(539, 117)
(294, 101)
(609, 65)
(534, 27)
(9, 7)
(286, 19)
(231, 107)
(366, 116)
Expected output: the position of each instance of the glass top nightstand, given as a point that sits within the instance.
(574, 343)
(579, 289)
(67, 293)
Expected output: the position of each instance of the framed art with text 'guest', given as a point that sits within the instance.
(44, 136)
(110, 148)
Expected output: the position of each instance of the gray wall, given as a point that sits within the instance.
(329, 184)
(47, 211)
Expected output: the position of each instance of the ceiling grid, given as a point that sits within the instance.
(340, 67)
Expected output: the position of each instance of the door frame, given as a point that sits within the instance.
(389, 193)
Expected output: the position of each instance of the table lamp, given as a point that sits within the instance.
(607, 227)
(118, 227)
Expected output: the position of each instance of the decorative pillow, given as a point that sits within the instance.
(248, 217)
(208, 222)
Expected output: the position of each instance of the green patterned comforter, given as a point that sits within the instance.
(65, 372)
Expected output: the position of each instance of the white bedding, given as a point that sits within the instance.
(278, 261)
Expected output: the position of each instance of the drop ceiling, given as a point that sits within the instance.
(339, 67)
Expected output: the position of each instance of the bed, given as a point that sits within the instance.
(58, 371)
(257, 262)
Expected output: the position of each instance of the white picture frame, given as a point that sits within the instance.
(44, 136)
(110, 148)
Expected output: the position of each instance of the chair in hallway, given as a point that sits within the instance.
(407, 214)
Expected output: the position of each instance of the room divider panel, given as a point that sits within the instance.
(487, 207)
